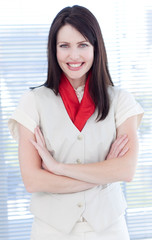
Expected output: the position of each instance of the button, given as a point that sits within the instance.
(78, 161)
(82, 219)
(80, 205)
(80, 137)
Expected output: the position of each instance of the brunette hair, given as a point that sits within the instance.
(85, 22)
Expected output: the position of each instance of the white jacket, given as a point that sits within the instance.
(100, 206)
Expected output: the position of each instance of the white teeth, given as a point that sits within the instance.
(75, 65)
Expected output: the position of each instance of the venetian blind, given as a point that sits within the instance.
(132, 70)
(23, 64)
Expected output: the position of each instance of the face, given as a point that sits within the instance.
(75, 55)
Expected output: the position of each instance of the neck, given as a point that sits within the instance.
(77, 82)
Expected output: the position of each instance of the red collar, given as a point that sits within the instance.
(78, 112)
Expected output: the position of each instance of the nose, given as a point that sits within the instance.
(74, 54)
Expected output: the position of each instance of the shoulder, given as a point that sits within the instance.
(120, 97)
(124, 104)
(35, 94)
(42, 91)
(117, 92)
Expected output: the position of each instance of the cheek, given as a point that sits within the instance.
(58, 55)
(61, 56)
(90, 57)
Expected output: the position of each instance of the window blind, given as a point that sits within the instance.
(23, 64)
(134, 61)
(131, 69)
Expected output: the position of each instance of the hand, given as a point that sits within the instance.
(49, 163)
(118, 148)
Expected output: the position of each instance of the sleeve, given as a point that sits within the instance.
(127, 107)
(26, 114)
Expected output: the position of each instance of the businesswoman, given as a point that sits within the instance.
(77, 137)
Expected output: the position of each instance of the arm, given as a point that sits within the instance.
(37, 179)
(113, 169)
(119, 166)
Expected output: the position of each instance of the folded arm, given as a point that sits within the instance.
(121, 168)
(37, 179)
(117, 167)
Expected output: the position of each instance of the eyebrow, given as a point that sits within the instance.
(69, 42)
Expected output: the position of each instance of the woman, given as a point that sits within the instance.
(66, 129)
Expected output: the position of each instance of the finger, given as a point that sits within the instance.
(41, 135)
(117, 142)
(34, 143)
(118, 145)
(44, 165)
(38, 137)
(120, 139)
(123, 152)
(40, 149)
(37, 146)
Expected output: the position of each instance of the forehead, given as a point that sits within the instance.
(68, 33)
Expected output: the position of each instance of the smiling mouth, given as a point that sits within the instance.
(75, 65)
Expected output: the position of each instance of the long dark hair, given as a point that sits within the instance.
(85, 22)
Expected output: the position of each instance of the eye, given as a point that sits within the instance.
(83, 45)
(63, 46)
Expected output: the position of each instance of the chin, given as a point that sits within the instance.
(75, 76)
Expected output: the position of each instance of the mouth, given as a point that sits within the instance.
(75, 66)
